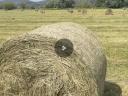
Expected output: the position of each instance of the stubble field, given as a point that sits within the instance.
(112, 31)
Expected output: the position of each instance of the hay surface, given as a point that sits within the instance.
(29, 65)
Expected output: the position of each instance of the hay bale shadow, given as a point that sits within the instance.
(112, 89)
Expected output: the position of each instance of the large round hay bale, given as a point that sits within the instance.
(29, 65)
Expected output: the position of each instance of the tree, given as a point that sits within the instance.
(50, 3)
(100, 3)
(66, 3)
(114, 3)
(1, 6)
(23, 6)
(9, 5)
(86, 3)
(60, 3)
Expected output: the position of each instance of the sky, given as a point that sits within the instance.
(36, 0)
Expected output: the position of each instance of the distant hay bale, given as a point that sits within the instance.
(42, 11)
(29, 65)
(13, 18)
(70, 11)
(109, 12)
(124, 8)
(79, 10)
(84, 11)
(36, 9)
(125, 11)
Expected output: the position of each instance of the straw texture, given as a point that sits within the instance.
(29, 65)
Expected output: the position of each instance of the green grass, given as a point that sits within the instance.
(112, 31)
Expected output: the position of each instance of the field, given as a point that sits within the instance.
(111, 29)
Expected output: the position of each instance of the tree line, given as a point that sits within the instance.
(87, 3)
(69, 4)
(12, 5)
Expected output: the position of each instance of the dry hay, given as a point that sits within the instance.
(79, 10)
(36, 9)
(70, 11)
(109, 12)
(29, 65)
(42, 11)
(84, 11)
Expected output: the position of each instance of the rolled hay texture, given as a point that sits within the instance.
(29, 65)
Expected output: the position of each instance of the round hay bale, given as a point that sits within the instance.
(79, 10)
(84, 11)
(42, 11)
(109, 11)
(29, 65)
(70, 11)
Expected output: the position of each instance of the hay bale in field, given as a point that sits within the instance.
(29, 65)
(70, 11)
(79, 10)
(109, 12)
(84, 11)
(36, 10)
(42, 11)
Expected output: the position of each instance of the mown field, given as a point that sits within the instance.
(111, 29)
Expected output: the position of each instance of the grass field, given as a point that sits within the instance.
(111, 29)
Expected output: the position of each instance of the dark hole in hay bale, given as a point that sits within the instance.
(109, 12)
(64, 47)
(29, 65)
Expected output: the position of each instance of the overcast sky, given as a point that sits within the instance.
(36, 0)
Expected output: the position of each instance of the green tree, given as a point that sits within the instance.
(66, 3)
(60, 3)
(1, 6)
(23, 6)
(51, 4)
(85, 3)
(125, 3)
(100, 3)
(114, 3)
(9, 6)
